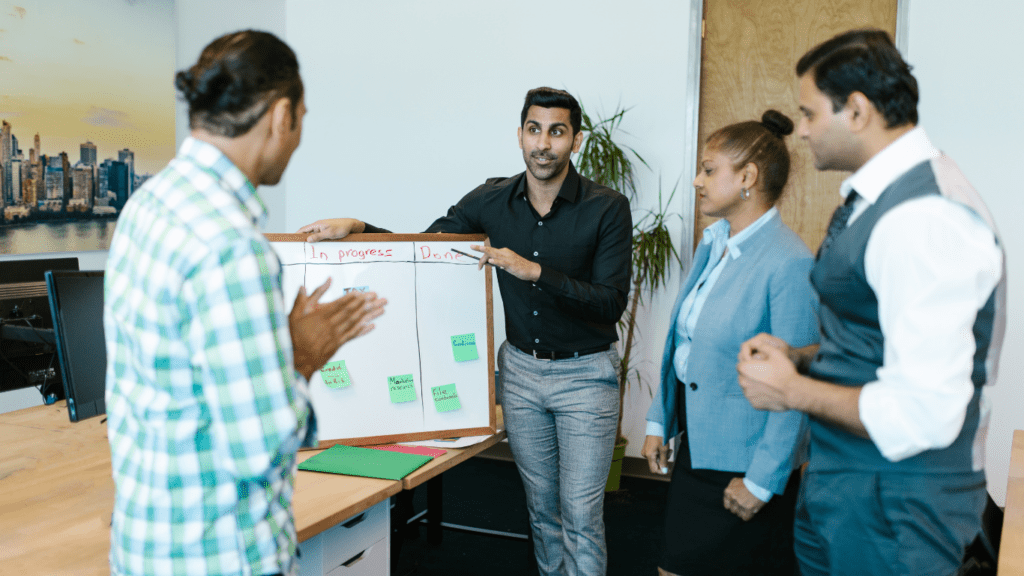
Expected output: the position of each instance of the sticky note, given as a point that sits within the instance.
(402, 388)
(357, 289)
(464, 347)
(335, 375)
(446, 398)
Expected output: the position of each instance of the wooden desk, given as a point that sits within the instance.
(323, 500)
(430, 473)
(449, 459)
(1011, 543)
(57, 494)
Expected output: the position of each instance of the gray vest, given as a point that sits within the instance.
(852, 342)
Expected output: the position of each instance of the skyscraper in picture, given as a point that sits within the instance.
(6, 154)
(88, 153)
(128, 157)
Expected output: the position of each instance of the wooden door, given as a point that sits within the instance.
(748, 62)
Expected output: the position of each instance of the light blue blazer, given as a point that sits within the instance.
(766, 289)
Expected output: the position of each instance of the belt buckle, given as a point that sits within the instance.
(538, 358)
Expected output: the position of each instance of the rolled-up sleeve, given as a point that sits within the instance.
(933, 264)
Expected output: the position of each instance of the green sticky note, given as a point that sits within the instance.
(365, 462)
(446, 398)
(402, 388)
(464, 347)
(335, 375)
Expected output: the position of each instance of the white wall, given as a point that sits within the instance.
(198, 23)
(412, 106)
(966, 61)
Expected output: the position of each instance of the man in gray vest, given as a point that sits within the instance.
(912, 287)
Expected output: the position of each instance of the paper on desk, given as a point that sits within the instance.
(420, 450)
(450, 443)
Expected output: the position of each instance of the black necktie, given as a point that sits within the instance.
(838, 222)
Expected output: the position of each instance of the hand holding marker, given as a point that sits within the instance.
(473, 257)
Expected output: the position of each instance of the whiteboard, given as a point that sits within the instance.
(434, 294)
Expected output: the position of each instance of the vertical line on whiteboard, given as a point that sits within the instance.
(419, 346)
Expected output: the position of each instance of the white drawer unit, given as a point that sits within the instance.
(370, 562)
(359, 545)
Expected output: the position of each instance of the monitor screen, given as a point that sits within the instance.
(76, 302)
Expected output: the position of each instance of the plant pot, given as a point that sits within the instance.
(615, 472)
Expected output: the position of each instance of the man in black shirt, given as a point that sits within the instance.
(562, 245)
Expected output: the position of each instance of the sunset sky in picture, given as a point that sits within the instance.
(99, 71)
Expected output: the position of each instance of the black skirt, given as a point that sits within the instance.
(702, 537)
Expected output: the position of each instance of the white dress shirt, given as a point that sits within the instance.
(932, 263)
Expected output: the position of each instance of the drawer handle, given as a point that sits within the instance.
(353, 560)
(355, 520)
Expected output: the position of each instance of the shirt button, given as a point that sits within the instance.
(693, 385)
(540, 223)
(536, 253)
(536, 340)
(533, 284)
(534, 312)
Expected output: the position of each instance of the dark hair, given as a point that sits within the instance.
(551, 98)
(237, 78)
(759, 143)
(868, 62)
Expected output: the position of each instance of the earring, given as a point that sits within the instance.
(745, 193)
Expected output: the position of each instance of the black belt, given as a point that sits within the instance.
(553, 355)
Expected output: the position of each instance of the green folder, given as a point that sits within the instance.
(355, 461)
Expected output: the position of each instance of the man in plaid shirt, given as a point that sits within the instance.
(207, 398)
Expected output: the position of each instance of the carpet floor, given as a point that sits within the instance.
(488, 494)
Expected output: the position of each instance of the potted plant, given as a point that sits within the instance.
(606, 162)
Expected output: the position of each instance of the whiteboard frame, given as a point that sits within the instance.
(420, 434)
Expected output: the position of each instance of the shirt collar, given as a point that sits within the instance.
(717, 234)
(884, 168)
(570, 186)
(211, 160)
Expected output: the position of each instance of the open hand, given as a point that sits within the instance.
(319, 329)
(332, 229)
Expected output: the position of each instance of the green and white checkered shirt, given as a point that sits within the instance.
(204, 408)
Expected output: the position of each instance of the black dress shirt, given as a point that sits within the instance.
(584, 247)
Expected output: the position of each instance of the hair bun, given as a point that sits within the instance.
(777, 123)
(185, 82)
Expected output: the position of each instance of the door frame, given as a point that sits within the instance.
(691, 105)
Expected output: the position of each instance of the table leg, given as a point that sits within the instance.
(435, 509)
(400, 515)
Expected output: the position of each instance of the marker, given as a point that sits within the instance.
(464, 254)
(474, 258)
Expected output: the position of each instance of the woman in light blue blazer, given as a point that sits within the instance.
(733, 488)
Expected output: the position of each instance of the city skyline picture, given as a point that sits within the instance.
(86, 116)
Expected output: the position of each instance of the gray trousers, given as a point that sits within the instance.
(561, 417)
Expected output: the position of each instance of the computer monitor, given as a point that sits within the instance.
(76, 303)
(26, 329)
